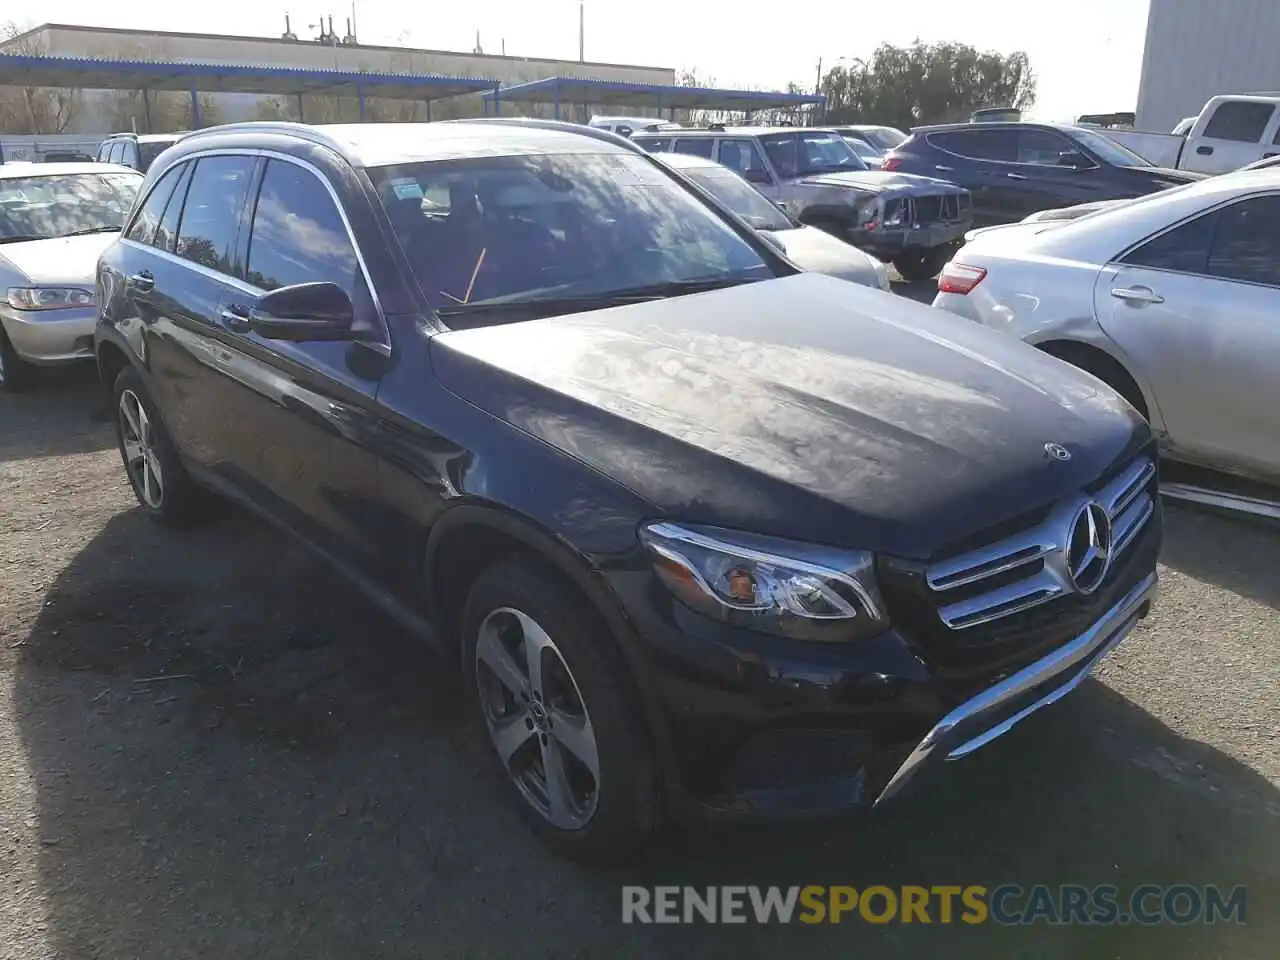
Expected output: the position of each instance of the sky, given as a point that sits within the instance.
(1088, 61)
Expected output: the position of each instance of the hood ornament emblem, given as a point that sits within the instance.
(1057, 451)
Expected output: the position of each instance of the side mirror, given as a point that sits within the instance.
(304, 311)
(1074, 159)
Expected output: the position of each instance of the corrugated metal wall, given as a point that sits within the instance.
(1197, 49)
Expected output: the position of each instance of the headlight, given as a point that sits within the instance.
(868, 213)
(882, 275)
(895, 213)
(49, 298)
(795, 590)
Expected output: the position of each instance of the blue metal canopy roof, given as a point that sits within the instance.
(90, 74)
(620, 93)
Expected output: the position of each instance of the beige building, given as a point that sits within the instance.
(114, 44)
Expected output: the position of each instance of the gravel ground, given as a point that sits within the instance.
(210, 748)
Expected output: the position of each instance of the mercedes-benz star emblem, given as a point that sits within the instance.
(1057, 451)
(1089, 548)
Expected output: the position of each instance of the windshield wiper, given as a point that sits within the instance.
(556, 306)
(88, 230)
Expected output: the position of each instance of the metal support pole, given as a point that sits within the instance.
(301, 114)
(557, 103)
(146, 108)
(360, 98)
(428, 111)
(659, 105)
(497, 100)
(195, 108)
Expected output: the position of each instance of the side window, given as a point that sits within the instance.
(978, 144)
(211, 214)
(298, 234)
(652, 144)
(113, 151)
(168, 230)
(744, 157)
(1239, 120)
(1247, 243)
(104, 152)
(1043, 147)
(144, 224)
(781, 149)
(698, 147)
(1184, 249)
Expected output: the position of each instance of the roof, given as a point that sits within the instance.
(148, 137)
(620, 93)
(91, 74)
(242, 38)
(26, 169)
(385, 144)
(993, 125)
(689, 161)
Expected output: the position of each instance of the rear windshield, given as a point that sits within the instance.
(147, 152)
(531, 227)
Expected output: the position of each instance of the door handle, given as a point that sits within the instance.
(141, 282)
(1137, 295)
(944, 167)
(236, 321)
(1015, 176)
(1204, 151)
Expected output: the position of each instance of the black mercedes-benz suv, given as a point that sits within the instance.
(704, 534)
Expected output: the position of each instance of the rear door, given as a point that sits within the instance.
(1197, 309)
(1046, 183)
(983, 161)
(302, 412)
(1233, 137)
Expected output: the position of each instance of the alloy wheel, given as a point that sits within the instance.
(537, 719)
(138, 443)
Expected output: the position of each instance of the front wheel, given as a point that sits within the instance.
(920, 264)
(556, 707)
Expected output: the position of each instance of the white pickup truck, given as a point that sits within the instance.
(1230, 132)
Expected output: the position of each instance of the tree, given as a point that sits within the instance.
(927, 83)
(168, 110)
(34, 109)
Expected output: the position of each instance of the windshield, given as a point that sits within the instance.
(1107, 149)
(886, 138)
(804, 154)
(525, 228)
(866, 151)
(38, 208)
(741, 197)
(148, 151)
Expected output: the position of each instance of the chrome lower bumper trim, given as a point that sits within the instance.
(947, 741)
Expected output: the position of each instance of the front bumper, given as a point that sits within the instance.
(995, 711)
(889, 242)
(50, 337)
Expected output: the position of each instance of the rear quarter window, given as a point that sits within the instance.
(999, 145)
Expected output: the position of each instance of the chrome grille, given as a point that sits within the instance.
(1031, 567)
(945, 209)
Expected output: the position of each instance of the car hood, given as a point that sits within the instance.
(72, 260)
(803, 407)
(1169, 174)
(819, 252)
(883, 181)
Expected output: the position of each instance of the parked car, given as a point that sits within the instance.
(882, 138)
(1015, 169)
(915, 222)
(65, 156)
(704, 534)
(807, 247)
(1172, 301)
(626, 126)
(1230, 132)
(872, 157)
(55, 218)
(136, 150)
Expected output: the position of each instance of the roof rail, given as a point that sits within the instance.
(291, 128)
(564, 126)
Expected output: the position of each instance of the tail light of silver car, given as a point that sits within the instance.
(960, 278)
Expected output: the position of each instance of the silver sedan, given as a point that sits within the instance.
(1173, 301)
(55, 219)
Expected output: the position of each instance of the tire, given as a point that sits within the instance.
(159, 481)
(605, 815)
(16, 375)
(922, 264)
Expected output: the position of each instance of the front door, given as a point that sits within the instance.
(300, 413)
(1197, 309)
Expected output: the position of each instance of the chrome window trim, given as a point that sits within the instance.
(1117, 262)
(315, 171)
